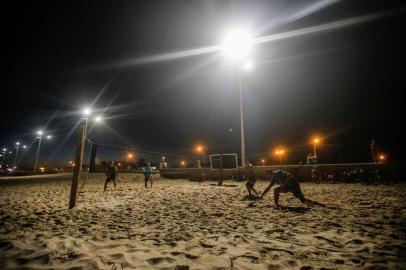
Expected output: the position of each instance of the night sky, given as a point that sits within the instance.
(344, 84)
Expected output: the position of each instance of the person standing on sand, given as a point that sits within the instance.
(111, 175)
(252, 179)
(287, 183)
(147, 174)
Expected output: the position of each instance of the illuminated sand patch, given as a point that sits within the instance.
(200, 226)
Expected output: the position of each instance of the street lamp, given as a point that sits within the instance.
(280, 153)
(17, 146)
(39, 137)
(315, 142)
(86, 112)
(4, 150)
(200, 149)
(263, 162)
(183, 163)
(237, 45)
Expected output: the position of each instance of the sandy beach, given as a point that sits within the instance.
(188, 225)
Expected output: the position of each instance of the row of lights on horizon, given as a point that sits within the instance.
(40, 135)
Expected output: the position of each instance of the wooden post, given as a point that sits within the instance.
(78, 163)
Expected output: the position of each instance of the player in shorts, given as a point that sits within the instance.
(287, 183)
(252, 179)
(111, 175)
(147, 174)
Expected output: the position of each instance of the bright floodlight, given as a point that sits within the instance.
(17, 143)
(247, 66)
(49, 137)
(86, 111)
(237, 44)
(39, 132)
(4, 149)
(24, 146)
(98, 119)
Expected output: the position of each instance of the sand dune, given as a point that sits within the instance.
(186, 225)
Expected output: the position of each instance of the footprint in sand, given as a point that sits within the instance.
(191, 256)
(158, 260)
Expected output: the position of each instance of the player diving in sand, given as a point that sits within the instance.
(287, 183)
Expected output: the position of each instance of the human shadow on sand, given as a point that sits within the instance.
(297, 209)
(250, 198)
(223, 185)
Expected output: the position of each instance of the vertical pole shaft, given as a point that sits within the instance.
(220, 181)
(37, 155)
(314, 150)
(78, 163)
(16, 156)
(242, 120)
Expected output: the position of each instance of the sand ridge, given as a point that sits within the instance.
(199, 225)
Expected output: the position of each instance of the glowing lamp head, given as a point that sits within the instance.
(17, 143)
(4, 149)
(98, 119)
(40, 132)
(86, 112)
(49, 137)
(24, 146)
(182, 163)
(237, 44)
(263, 160)
(199, 148)
(248, 66)
(382, 157)
(130, 155)
(316, 140)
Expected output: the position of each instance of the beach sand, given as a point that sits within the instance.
(188, 225)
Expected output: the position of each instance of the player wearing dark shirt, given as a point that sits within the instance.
(287, 183)
(252, 179)
(111, 175)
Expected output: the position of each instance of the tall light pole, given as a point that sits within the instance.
(40, 133)
(16, 155)
(4, 150)
(200, 149)
(315, 142)
(79, 155)
(280, 153)
(237, 45)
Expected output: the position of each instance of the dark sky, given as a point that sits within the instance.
(344, 84)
